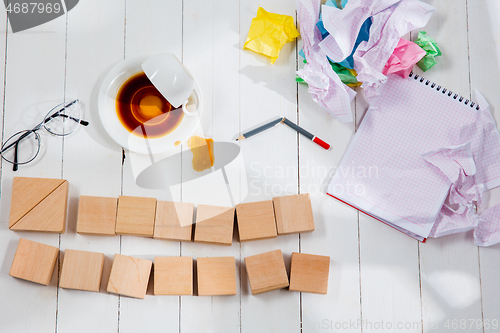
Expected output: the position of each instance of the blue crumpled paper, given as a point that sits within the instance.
(364, 34)
(320, 26)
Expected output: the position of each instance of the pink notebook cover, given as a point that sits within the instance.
(383, 172)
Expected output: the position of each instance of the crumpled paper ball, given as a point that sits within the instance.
(431, 49)
(405, 55)
(269, 33)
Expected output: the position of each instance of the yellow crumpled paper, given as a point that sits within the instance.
(269, 33)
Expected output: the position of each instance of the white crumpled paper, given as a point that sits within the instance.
(487, 231)
(325, 86)
(343, 25)
(458, 212)
(387, 28)
(471, 169)
(391, 20)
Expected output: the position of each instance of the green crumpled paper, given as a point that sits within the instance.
(430, 46)
(269, 33)
(346, 75)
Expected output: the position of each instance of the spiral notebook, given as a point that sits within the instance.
(384, 173)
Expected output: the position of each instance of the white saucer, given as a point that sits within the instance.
(109, 118)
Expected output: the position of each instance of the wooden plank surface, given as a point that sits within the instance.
(95, 38)
(484, 52)
(449, 266)
(210, 51)
(25, 104)
(145, 35)
(389, 275)
(336, 233)
(269, 92)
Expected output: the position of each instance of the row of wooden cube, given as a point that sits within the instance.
(129, 276)
(40, 204)
(148, 217)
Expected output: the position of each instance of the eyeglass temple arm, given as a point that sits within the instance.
(15, 166)
(57, 114)
(81, 122)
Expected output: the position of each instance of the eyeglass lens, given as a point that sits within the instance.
(63, 119)
(21, 148)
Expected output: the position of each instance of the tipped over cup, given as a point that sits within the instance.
(171, 79)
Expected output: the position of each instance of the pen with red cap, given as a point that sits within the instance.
(287, 122)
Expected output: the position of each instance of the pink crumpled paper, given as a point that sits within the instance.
(405, 55)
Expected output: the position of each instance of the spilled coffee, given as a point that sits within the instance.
(143, 110)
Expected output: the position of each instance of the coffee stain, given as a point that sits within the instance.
(202, 150)
(143, 110)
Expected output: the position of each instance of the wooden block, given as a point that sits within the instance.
(266, 272)
(256, 220)
(136, 216)
(34, 261)
(97, 216)
(27, 193)
(293, 214)
(309, 273)
(39, 204)
(129, 276)
(173, 276)
(216, 276)
(214, 225)
(174, 220)
(81, 270)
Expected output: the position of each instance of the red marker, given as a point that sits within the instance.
(305, 133)
(287, 122)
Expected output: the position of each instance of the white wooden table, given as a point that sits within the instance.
(378, 276)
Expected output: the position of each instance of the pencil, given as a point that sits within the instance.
(260, 129)
(287, 122)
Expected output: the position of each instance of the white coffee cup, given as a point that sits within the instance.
(172, 79)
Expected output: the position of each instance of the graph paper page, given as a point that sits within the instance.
(383, 172)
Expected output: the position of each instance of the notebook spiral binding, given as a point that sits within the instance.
(444, 90)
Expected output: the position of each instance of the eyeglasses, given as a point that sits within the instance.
(24, 146)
